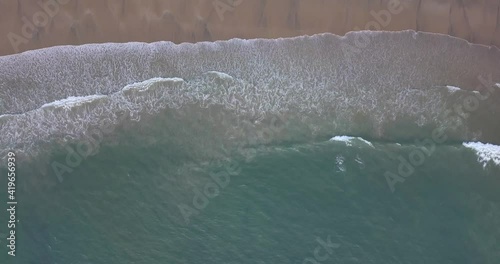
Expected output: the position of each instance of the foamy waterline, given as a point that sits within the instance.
(321, 87)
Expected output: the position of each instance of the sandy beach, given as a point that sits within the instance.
(26, 25)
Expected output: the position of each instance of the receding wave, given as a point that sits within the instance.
(245, 92)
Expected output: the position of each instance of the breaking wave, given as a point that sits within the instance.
(486, 152)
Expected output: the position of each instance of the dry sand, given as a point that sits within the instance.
(25, 24)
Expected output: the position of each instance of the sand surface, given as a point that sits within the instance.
(29, 24)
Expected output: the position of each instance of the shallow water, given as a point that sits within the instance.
(143, 204)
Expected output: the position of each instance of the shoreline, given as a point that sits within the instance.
(28, 25)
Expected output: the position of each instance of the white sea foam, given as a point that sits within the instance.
(72, 101)
(339, 162)
(144, 85)
(452, 89)
(348, 140)
(220, 75)
(486, 152)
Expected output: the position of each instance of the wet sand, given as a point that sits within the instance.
(27, 25)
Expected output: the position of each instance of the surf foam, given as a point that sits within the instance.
(486, 152)
(348, 140)
(319, 86)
